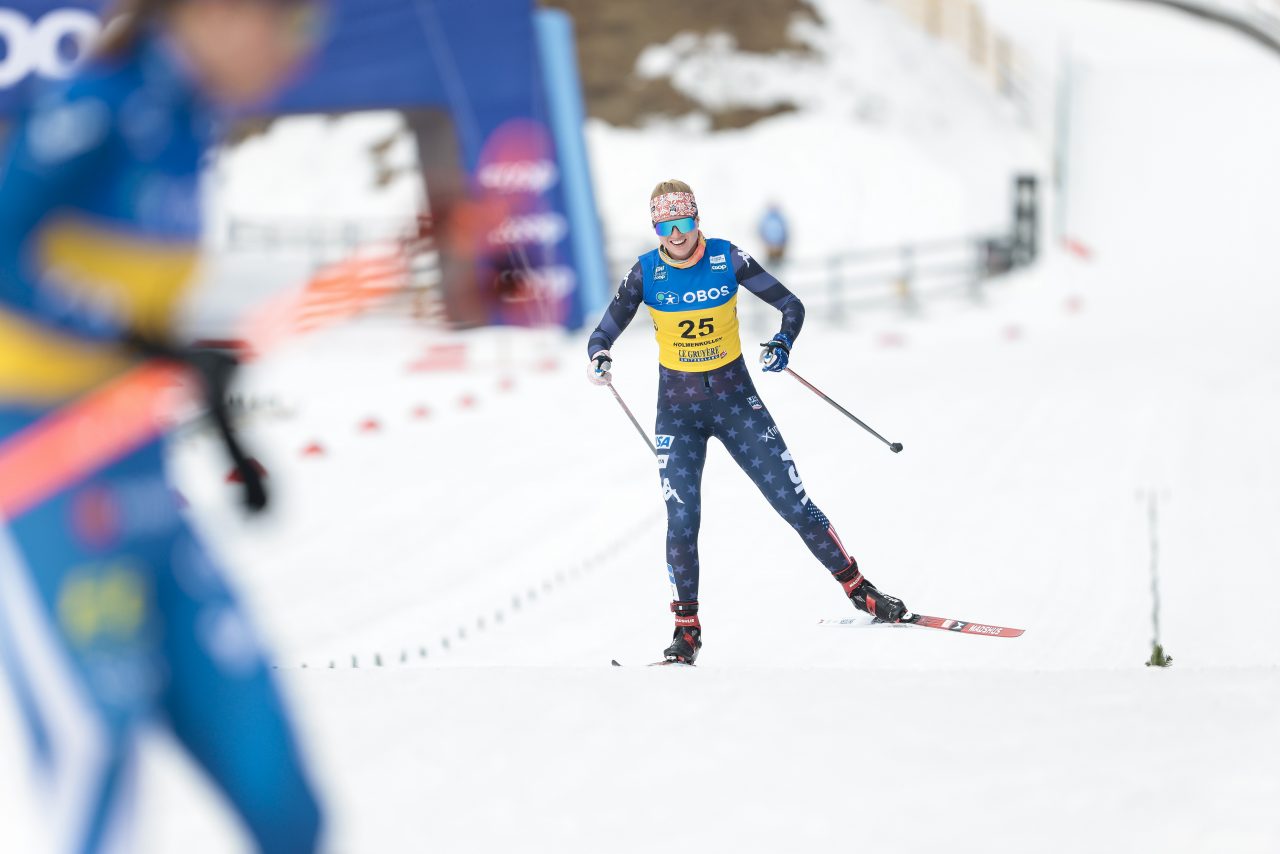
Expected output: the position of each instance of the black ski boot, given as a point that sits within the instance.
(688, 635)
(866, 598)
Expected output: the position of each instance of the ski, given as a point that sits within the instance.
(943, 623)
(663, 663)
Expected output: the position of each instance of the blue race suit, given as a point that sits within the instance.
(112, 616)
(705, 390)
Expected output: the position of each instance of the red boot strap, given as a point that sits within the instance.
(852, 584)
(850, 571)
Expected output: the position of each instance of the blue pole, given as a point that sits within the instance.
(558, 54)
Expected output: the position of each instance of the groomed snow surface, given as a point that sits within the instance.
(524, 528)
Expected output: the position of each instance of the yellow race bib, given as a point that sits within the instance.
(694, 309)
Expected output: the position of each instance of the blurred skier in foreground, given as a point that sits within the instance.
(112, 615)
(690, 286)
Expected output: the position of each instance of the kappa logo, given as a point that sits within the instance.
(746, 259)
(663, 443)
(666, 298)
(669, 492)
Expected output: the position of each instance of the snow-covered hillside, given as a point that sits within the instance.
(469, 567)
(898, 141)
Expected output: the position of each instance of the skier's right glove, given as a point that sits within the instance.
(776, 353)
(215, 369)
(601, 362)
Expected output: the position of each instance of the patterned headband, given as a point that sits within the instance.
(672, 206)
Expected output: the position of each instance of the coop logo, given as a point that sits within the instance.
(49, 47)
(718, 262)
(543, 228)
(523, 176)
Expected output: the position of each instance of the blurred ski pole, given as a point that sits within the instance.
(896, 447)
(639, 429)
(122, 415)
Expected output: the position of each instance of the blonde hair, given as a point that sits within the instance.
(671, 185)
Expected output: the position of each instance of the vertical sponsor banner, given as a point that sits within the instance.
(42, 40)
(517, 178)
(480, 61)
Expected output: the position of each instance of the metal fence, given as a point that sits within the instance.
(901, 278)
(837, 288)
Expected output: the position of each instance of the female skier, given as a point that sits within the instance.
(112, 615)
(690, 286)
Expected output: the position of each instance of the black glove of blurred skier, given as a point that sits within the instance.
(215, 368)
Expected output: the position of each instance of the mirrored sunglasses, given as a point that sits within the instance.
(685, 224)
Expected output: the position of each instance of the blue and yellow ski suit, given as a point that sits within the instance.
(705, 391)
(113, 617)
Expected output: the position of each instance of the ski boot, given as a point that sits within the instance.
(866, 598)
(688, 635)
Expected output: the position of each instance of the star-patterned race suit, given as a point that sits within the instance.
(705, 391)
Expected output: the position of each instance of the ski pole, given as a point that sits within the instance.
(896, 447)
(114, 419)
(626, 409)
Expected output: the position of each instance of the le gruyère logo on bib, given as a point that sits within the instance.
(718, 262)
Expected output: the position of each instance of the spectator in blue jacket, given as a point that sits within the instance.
(774, 232)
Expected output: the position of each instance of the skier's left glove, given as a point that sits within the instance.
(776, 353)
(601, 362)
(215, 369)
